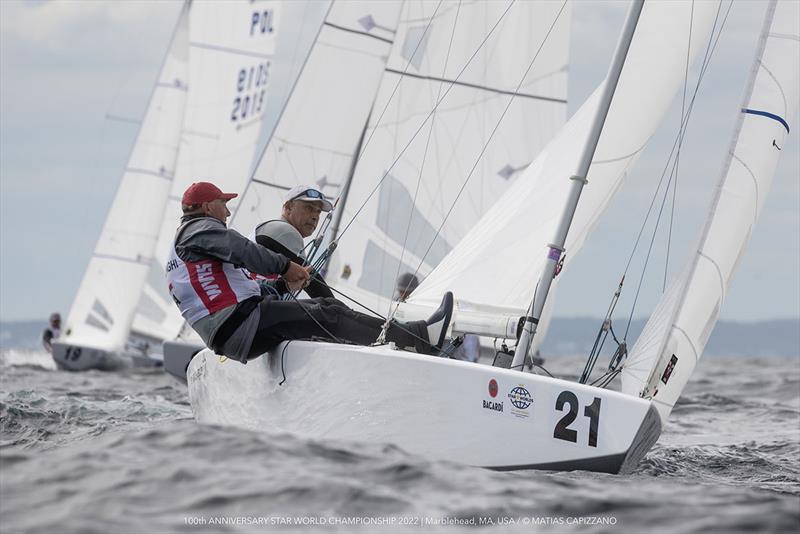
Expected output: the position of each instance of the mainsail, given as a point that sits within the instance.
(495, 266)
(452, 72)
(103, 308)
(667, 351)
(231, 47)
(317, 136)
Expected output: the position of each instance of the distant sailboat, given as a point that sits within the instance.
(457, 411)
(203, 119)
(98, 325)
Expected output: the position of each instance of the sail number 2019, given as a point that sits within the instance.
(592, 411)
(251, 88)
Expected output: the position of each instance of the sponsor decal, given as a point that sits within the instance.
(492, 405)
(520, 399)
(493, 388)
(669, 368)
(206, 278)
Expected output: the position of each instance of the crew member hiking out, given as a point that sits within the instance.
(208, 281)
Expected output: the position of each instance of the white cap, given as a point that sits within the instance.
(308, 194)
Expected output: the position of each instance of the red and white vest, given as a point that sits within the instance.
(203, 287)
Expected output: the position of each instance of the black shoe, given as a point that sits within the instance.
(438, 323)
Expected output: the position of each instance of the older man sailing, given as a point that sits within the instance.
(217, 297)
(300, 214)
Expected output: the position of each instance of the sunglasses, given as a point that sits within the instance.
(310, 193)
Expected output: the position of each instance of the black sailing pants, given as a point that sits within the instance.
(283, 320)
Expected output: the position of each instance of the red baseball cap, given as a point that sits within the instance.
(200, 192)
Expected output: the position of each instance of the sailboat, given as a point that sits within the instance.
(454, 410)
(204, 118)
(386, 65)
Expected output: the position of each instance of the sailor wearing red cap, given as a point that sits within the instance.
(208, 278)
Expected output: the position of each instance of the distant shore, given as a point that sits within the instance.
(567, 336)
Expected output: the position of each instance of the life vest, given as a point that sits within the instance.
(200, 288)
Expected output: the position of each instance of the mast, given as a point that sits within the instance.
(337, 217)
(556, 249)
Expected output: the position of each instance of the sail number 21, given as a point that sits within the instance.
(562, 430)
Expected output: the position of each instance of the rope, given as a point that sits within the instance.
(684, 124)
(491, 135)
(677, 156)
(293, 296)
(676, 148)
(435, 107)
(424, 158)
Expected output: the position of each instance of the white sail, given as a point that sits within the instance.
(432, 59)
(496, 265)
(230, 68)
(103, 308)
(667, 351)
(318, 132)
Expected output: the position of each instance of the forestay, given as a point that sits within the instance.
(439, 56)
(317, 135)
(103, 308)
(495, 265)
(667, 351)
(231, 62)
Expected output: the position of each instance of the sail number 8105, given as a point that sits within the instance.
(562, 430)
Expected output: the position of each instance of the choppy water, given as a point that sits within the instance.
(120, 452)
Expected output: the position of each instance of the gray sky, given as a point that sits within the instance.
(66, 65)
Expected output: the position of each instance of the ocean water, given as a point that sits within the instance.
(120, 452)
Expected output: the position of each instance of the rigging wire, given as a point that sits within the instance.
(621, 351)
(491, 135)
(677, 156)
(684, 124)
(422, 165)
(422, 124)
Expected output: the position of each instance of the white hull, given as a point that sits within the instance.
(71, 357)
(434, 407)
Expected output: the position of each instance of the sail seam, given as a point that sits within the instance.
(357, 32)
(627, 156)
(270, 184)
(141, 261)
(177, 86)
(476, 86)
(719, 271)
(167, 176)
(228, 50)
(778, 85)
(789, 36)
(752, 177)
(689, 339)
(314, 147)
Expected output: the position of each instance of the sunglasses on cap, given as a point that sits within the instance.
(309, 193)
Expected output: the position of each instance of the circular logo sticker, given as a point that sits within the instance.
(520, 397)
(493, 387)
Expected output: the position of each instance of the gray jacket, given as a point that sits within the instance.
(201, 237)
